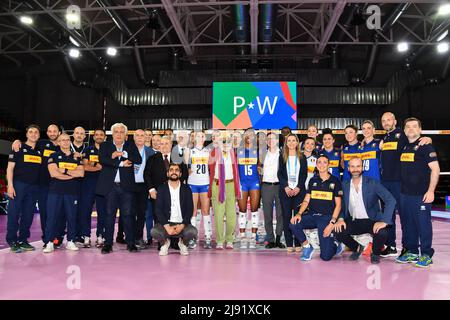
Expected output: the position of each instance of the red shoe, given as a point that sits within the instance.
(367, 250)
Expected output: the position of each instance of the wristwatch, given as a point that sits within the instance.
(333, 221)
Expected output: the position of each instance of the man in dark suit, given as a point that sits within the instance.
(174, 208)
(155, 173)
(361, 212)
(116, 182)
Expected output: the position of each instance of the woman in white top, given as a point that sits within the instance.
(292, 173)
(309, 146)
(197, 160)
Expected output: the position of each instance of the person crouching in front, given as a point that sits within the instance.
(174, 207)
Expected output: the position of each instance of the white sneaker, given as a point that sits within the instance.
(48, 248)
(219, 246)
(164, 250)
(192, 244)
(100, 241)
(243, 243)
(87, 242)
(252, 244)
(71, 246)
(183, 248)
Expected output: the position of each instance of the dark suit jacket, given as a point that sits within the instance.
(110, 166)
(155, 173)
(283, 175)
(373, 191)
(163, 202)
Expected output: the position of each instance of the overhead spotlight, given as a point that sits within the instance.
(442, 47)
(153, 22)
(74, 53)
(73, 17)
(444, 9)
(442, 36)
(111, 51)
(26, 20)
(402, 47)
(74, 42)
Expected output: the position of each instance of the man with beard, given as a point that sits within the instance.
(361, 212)
(393, 143)
(174, 208)
(155, 172)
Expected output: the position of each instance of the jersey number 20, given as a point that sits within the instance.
(201, 169)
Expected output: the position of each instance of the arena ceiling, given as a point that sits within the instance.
(202, 30)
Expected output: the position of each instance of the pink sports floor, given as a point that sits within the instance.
(211, 274)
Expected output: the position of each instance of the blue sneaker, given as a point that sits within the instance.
(340, 248)
(424, 261)
(307, 253)
(408, 258)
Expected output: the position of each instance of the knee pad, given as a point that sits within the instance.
(255, 219)
(242, 220)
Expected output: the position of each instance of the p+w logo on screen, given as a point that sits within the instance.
(261, 105)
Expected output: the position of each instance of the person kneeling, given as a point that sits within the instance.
(323, 199)
(174, 207)
(361, 212)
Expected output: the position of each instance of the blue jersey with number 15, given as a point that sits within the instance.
(248, 164)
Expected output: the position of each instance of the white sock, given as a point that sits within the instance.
(194, 221)
(253, 235)
(207, 226)
(242, 234)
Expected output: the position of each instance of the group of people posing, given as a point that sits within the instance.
(162, 182)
